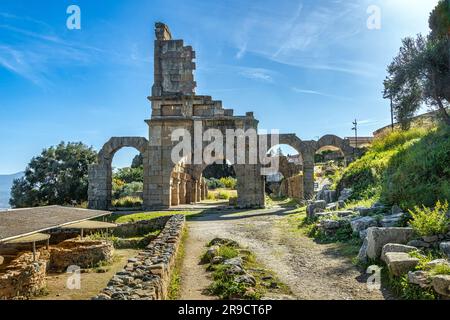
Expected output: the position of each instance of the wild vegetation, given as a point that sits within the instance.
(404, 167)
(430, 221)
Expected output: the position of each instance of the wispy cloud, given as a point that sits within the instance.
(34, 51)
(318, 93)
(259, 74)
(301, 34)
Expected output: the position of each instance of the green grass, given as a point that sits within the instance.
(175, 280)
(406, 168)
(124, 218)
(228, 252)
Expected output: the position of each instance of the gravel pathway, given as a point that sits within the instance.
(312, 271)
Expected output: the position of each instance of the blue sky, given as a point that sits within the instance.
(308, 67)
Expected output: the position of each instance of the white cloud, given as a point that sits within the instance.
(257, 74)
(318, 93)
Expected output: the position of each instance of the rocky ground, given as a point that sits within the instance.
(311, 270)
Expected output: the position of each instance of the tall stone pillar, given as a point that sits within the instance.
(308, 175)
(175, 201)
(100, 188)
(194, 191)
(199, 191)
(250, 186)
(182, 189)
(188, 191)
(204, 193)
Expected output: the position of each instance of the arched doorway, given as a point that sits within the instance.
(287, 182)
(127, 179)
(331, 154)
(221, 182)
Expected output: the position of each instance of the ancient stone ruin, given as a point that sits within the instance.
(175, 105)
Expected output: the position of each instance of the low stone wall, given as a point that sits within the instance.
(23, 278)
(140, 228)
(147, 276)
(82, 253)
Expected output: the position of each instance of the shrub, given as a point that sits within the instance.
(214, 183)
(127, 202)
(229, 182)
(223, 195)
(428, 222)
(211, 196)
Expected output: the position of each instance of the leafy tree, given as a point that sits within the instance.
(129, 175)
(420, 73)
(219, 171)
(57, 176)
(138, 161)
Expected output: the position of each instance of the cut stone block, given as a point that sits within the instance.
(395, 247)
(441, 284)
(378, 237)
(400, 263)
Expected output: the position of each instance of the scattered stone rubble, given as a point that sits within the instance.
(385, 239)
(239, 272)
(332, 217)
(147, 276)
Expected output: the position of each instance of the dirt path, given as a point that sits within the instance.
(312, 271)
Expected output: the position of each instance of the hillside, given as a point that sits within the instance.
(5, 188)
(406, 168)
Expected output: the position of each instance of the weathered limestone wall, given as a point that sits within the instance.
(23, 278)
(174, 65)
(147, 276)
(82, 253)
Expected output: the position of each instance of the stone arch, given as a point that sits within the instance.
(306, 149)
(335, 141)
(100, 174)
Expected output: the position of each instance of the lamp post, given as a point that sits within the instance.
(355, 128)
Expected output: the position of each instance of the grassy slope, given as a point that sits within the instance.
(407, 168)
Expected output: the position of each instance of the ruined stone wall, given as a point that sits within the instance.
(23, 278)
(82, 253)
(173, 65)
(147, 276)
(139, 228)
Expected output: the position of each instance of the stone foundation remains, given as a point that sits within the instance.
(81, 253)
(23, 278)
